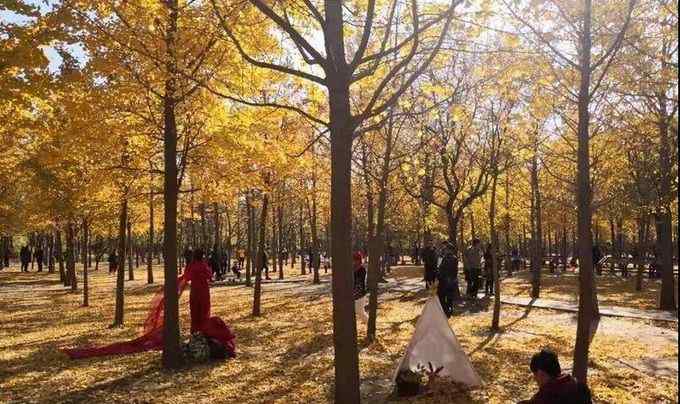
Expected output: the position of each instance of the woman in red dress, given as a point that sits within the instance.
(199, 274)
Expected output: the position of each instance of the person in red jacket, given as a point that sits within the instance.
(554, 387)
(199, 274)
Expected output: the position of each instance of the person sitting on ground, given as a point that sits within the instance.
(554, 387)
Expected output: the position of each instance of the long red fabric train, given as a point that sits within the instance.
(151, 337)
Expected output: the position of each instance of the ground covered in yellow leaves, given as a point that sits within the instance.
(286, 355)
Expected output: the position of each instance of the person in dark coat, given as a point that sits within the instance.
(236, 270)
(214, 263)
(359, 274)
(25, 258)
(473, 263)
(265, 264)
(38, 255)
(113, 262)
(415, 255)
(429, 257)
(554, 387)
(597, 256)
(6, 257)
(514, 261)
(447, 289)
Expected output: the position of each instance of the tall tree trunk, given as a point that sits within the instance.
(172, 354)
(274, 245)
(473, 230)
(663, 215)
(564, 246)
(149, 249)
(86, 237)
(460, 245)
(587, 313)
(642, 240)
(495, 320)
(536, 236)
(508, 248)
(279, 211)
(60, 259)
(217, 245)
(251, 236)
(379, 238)
(302, 244)
(315, 259)
(260, 262)
(612, 235)
(131, 273)
(664, 247)
(204, 229)
(120, 274)
(71, 257)
(346, 356)
(50, 257)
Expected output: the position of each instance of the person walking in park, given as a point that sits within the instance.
(214, 262)
(113, 262)
(488, 271)
(429, 257)
(415, 254)
(326, 262)
(514, 261)
(447, 289)
(241, 257)
(284, 256)
(38, 255)
(199, 274)
(387, 258)
(236, 270)
(554, 387)
(310, 257)
(597, 257)
(265, 264)
(25, 258)
(473, 261)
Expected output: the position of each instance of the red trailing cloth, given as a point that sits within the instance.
(151, 337)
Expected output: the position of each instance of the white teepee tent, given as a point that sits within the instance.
(434, 341)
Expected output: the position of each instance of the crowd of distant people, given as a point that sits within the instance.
(440, 265)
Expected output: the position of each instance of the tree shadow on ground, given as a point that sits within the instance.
(120, 383)
(471, 306)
